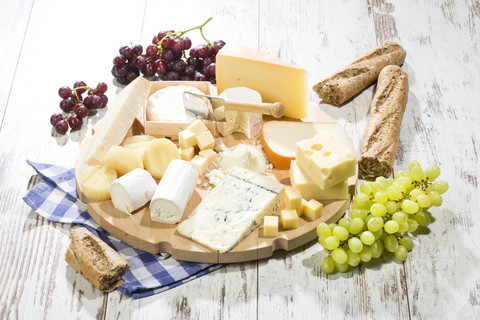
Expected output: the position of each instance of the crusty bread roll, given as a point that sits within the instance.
(355, 77)
(95, 260)
(380, 139)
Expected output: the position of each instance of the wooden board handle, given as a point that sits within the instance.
(274, 109)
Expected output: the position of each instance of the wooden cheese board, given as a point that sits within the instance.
(141, 232)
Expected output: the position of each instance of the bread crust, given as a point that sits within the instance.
(355, 77)
(380, 139)
(95, 260)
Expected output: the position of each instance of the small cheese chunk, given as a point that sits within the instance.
(205, 140)
(293, 199)
(187, 154)
(270, 226)
(197, 127)
(289, 219)
(95, 182)
(138, 143)
(313, 209)
(220, 113)
(325, 160)
(123, 160)
(210, 155)
(187, 139)
(158, 154)
(200, 163)
(300, 210)
(310, 190)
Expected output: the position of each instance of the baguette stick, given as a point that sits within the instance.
(95, 260)
(355, 77)
(380, 139)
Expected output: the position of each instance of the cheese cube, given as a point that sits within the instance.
(300, 210)
(325, 160)
(205, 140)
(289, 219)
(210, 155)
(187, 139)
(270, 226)
(313, 209)
(309, 190)
(187, 154)
(200, 163)
(197, 127)
(293, 199)
(220, 113)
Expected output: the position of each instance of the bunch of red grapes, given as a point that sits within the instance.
(165, 59)
(75, 107)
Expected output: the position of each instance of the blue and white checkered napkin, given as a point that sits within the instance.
(55, 198)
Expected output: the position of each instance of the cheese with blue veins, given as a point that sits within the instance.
(233, 209)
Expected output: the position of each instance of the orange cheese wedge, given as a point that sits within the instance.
(279, 138)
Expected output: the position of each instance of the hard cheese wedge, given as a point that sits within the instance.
(112, 128)
(279, 138)
(234, 208)
(275, 79)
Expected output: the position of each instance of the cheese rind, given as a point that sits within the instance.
(234, 208)
(309, 190)
(325, 160)
(270, 226)
(275, 79)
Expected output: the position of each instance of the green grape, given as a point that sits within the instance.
(402, 173)
(413, 163)
(370, 204)
(401, 253)
(323, 230)
(405, 181)
(435, 198)
(360, 200)
(378, 234)
(375, 224)
(381, 183)
(328, 265)
(359, 213)
(367, 188)
(407, 242)
(410, 206)
(344, 222)
(378, 210)
(391, 207)
(424, 201)
(367, 237)
(415, 193)
(440, 186)
(422, 218)
(365, 254)
(331, 243)
(367, 218)
(400, 217)
(355, 245)
(339, 255)
(403, 227)
(321, 241)
(356, 225)
(341, 233)
(381, 197)
(390, 242)
(428, 188)
(332, 226)
(412, 225)
(417, 174)
(353, 258)
(377, 249)
(342, 267)
(432, 172)
(390, 181)
(400, 187)
(391, 226)
(394, 193)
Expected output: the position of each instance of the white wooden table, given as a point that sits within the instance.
(45, 44)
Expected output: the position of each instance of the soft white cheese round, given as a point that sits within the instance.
(166, 105)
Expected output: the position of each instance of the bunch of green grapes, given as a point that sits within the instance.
(383, 215)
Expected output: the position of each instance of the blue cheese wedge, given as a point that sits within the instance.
(233, 209)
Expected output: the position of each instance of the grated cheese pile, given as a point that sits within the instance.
(247, 156)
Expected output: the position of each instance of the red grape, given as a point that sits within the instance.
(199, 77)
(148, 71)
(67, 105)
(81, 110)
(104, 100)
(208, 60)
(187, 43)
(210, 51)
(171, 76)
(185, 78)
(179, 66)
(140, 62)
(55, 118)
(155, 40)
(119, 60)
(102, 87)
(121, 71)
(177, 45)
(132, 75)
(138, 49)
(190, 71)
(166, 43)
(64, 92)
(167, 55)
(75, 122)
(192, 60)
(122, 80)
(61, 127)
(161, 68)
(152, 50)
(211, 69)
(80, 84)
(128, 52)
(201, 51)
(217, 45)
(121, 49)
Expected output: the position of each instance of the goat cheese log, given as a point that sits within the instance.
(355, 77)
(380, 139)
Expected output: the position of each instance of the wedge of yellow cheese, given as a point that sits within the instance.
(95, 182)
(123, 160)
(275, 79)
(158, 154)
